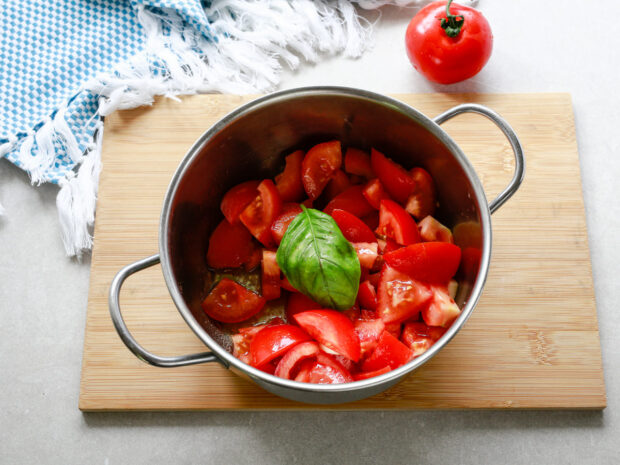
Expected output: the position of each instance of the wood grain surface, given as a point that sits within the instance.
(532, 341)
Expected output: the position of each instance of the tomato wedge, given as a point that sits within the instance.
(353, 229)
(369, 332)
(367, 296)
(318, 166)
(338, 184)
(242, 340)
(326, 370)
(288, 182)
(298, 303)
(390, 352)
(396, 180)
(371, 374)
(352, 200)
(396, 224)
(375, 193)
(331, 329)
(254, 260)
(399, 297)
(261, 213)
(293, 358)
(287, 214)
(366, 253)
(442, 310)
(237, 198)
(371, 220)
(423, 200)
(274, 341)
(357, 162)
(432, 230)
(430, 262)
(419, 337)
(230, 302)
(230, 246)
(270, 278)
(285, 284)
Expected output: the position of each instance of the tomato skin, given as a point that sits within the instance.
(331, 329)
(337, 185)
(288, 182)
(274, 341)
(230, 302)
(318, 166)
(237, 198)
(430, 262)
(298, 303)
(367, 296)
(270, 276)
(432, 230)
(375, 193)
(352, 200)
(395, 179)
(357, 162)
(371, 374)
(389, 352)
(353, 229)
(399, 297)
(445, 59)
(423, 200)
(287, 214)
(294, 357)
(262, 212)
(395, 223)
(230, 246)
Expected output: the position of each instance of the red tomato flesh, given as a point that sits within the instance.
(331, 329)
(230, 246)
(242, 340)
(293, 358)
(262, 212)
(318, 166)
(288, 183)
(366, 253)
(422, 201)
(353, 229)
(396, 224)
(237, 198)
(270, 282)
(442, 310)
(371, 374)
(326, 370)
(285, 284)
(287, 214)
(430, 262)
(369, 332)
(274, 341)
(419, 337)
(394, 178)
(375, 193)
(390, 352)
(357, 162)
(298, 303)
(352, 200)
(367, 296)
(230, 302)
(432, 230)
(399, 297)
(338, 184)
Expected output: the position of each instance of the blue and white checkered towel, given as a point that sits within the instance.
(66, 63)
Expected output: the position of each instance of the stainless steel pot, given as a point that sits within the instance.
(250, 143)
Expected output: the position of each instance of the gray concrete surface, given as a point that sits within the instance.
(539, 46)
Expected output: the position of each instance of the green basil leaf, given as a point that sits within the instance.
(318, 261)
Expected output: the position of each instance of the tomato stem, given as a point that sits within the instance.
(452, 24)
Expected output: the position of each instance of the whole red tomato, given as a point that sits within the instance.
(448, 43)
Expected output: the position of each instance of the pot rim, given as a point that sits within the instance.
(226, 357)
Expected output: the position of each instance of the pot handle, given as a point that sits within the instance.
(125, 335)
(510, 135)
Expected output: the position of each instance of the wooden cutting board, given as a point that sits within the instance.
(532, 341)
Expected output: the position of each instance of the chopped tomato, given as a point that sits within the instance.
(274, 341)
(338, 184)
(293, 358)
(331, 329)
(303, 376)
(318, 166)
(396, 180)
(326, 370)
(387, 245)
(367, 296)
(366, 253)
(432, 230)
(230, 302)
(230, 246)
(390, 352)
(261, 213)
(351, 200)
(242, 340)
(255, 259)
(357, 162)
(394, 329)
(237, 198)
(352, 313)
(399, 297)
(371, 374)
(288, 183)
(367, 315)
(442, 310)
(345, 362)
(430, 262)
(270, 367)
(298, 303)
(368, 332)
(396, 224)
(353, 229)
(422, 201)
(371, 220)
(287, 215)
(285, 284)
(270, 276)
(374, 279)
(419, 337)
(374, 193)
